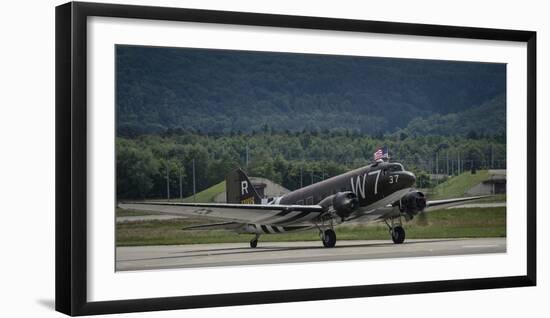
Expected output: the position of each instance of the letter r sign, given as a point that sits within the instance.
(244, 187)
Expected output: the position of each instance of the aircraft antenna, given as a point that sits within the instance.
(247, 155)
(181, 188)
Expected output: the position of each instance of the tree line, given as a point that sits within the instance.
(293, 159)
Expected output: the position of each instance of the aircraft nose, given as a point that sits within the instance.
(409, 177)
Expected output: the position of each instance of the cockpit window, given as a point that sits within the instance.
(395, 167)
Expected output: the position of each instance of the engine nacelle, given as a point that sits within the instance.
(344, 203)
(413, 203)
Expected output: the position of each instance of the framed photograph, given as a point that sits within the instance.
(215, 158)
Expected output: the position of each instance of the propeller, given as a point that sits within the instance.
(413, 204)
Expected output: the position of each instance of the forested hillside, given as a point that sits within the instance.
(486, 119)
(224, 91)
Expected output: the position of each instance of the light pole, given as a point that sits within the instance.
(194, 189)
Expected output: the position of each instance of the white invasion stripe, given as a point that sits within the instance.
(277, 219)
(290, 216)
(304, 218)
(263, 228)
(269, 229)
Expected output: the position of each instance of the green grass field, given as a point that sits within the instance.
(121, 212)
(486, 222)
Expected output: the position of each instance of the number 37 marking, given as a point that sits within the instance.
(394, 178)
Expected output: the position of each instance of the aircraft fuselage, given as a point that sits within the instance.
(371, 184)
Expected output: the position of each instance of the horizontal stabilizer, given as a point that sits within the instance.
(233, 212)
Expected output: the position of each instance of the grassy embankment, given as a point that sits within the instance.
(455, 187)
(474, 222)
(207, 195)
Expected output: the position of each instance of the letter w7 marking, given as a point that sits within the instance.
(359, 187)
(377, 173)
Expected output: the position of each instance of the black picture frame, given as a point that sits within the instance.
(71, 157)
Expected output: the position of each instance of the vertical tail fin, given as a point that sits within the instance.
(239, 189)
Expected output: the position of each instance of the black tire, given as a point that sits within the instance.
(398, 235)
(253, 243)
(329, 238)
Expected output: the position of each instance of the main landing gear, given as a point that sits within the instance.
(396, 231)
(398, 234)
(328, 238)
(327, 235)
(254, 241)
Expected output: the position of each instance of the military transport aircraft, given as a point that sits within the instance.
(379, 192)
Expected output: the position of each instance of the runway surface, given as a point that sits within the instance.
(231, 254)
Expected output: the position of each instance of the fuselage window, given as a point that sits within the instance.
(395, 167)
(309, 201)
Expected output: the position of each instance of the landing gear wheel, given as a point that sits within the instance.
(254, 241)
(398, 235)
(329, 238)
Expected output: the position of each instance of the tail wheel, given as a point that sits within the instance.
(329, 238)
(398, 235)
(254, 241)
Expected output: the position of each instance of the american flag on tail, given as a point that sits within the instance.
(381, 153)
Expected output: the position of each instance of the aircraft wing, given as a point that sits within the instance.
(390, 210)
(234, 212)
(442, 204)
